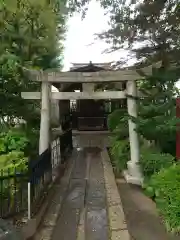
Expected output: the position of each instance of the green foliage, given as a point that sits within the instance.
(32, 33)
(11, 164)
(32, 134)
(13, 146)
(152, 161)
(21, 140)
(31, 37)
(122, 129)
(13, 161)
(13, 140)
(157, 110)
(120, 153)
(164, 186)
(140, 23)
(118, 124)
(114, 119)
(32, 150)
(16, 141)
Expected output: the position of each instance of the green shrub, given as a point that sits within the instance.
(122, 130)
(11, 164)
(115, 118)
(12, 160)
(3, 148)
(13, 139)
(32, 147)
(16, 140)
(152, 161)
(165, 187)
(120, 154)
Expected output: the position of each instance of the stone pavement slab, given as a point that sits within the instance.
(85, 201)
(96, 225)
(69, 215)
(89, 207)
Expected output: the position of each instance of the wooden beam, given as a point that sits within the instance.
(77, 95)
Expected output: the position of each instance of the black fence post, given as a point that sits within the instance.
(13, 191)
(40, 177)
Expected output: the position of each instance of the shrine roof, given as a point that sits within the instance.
(90, 67)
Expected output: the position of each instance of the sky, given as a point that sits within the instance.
(80, 44)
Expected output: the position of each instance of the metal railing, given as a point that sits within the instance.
(24, 190)
(13, 192)
(55, 157)
(66, 144)
(40, 171)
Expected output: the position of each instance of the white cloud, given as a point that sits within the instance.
(80, 44)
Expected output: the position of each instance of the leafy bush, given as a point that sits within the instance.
(13, 140)
(3, 148)
(114, 118)
(120, 154)
(13, 160)
(32, 147)
(164, 186)
(12, 164)
(122, 130)
(152, 161)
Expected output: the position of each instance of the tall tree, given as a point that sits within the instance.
(31, 35)
(148, 28)
(151, 30)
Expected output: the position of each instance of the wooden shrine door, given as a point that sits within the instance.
(91, 115)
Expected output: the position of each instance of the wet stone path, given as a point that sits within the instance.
(83, 214)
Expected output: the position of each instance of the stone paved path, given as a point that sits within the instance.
(83, 214)
(86, 204)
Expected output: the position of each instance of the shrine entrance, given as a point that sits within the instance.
(79, 110)
(84, 107)
(90, 114)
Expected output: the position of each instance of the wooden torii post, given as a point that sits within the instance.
(133, 174)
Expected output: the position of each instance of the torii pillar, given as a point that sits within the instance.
(44, 139)
(133, 174)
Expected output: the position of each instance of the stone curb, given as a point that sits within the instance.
(117, 223)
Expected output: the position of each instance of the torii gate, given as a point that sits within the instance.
(88, 79)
